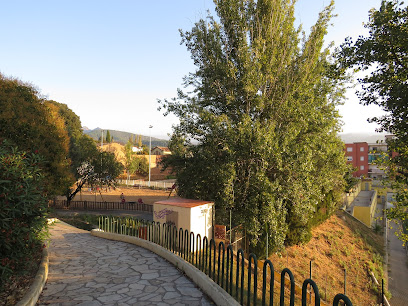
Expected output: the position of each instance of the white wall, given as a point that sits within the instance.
(197, 219)
(201, 220)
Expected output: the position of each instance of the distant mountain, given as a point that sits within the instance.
(123, 137)
(362, 137)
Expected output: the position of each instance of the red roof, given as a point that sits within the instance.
(188, 203)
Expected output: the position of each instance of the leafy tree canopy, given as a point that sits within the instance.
(134, 163)
(35, 126)
(258, 125)
(108, 137)
(23, 210)
(385, 52)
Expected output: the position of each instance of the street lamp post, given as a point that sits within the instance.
(150, 149)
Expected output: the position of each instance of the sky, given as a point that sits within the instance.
(110, 61)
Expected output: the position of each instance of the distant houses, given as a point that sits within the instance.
(161, 151)
(363, 156)
(137, 149)
(369, 197)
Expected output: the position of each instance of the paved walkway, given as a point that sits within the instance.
(87, 270)
(398, 265)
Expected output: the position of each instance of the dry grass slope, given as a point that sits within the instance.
(339, 243)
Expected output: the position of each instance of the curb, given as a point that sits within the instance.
(207, 285)
(32, 295)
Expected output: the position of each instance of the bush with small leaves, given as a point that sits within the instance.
(23, 210)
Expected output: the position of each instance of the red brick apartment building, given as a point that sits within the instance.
(357, 155)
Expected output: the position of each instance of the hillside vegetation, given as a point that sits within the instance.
(337, 244)
(123, 137)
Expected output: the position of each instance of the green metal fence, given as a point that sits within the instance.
(232, 272)
(93, 205)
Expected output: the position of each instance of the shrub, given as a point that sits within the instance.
(23, 208)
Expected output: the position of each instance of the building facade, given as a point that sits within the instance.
(376, 150)
(161, 151)
(363, 157)
(357, 155)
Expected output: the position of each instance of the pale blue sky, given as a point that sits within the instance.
(109, 61)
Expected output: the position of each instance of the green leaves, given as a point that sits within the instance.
(35, 126)
(384, 53)
(23, 209)
(258, 128)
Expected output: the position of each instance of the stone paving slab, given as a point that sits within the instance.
(87, 270)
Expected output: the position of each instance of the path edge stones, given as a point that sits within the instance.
(32, 295)
(208, 286)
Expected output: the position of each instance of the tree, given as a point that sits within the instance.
(23, 210)
(257, 130)
(108, 137)
(385, 54)
(82, 148)
(29, 123)
(84, 153)
(101, 169)
(73, 126)
(351, 181)
(106, 169)
(134, 163)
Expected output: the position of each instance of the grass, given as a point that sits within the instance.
(82, 221)
(337, 244)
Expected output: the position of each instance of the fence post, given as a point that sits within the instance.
(292, 287)
(192, 241)
(382, 291)
(310, 268)
(198, 250)
(252, 256)
(271, 282)
(345, 281)
(240, 252)
(230, 266)
(219, 263)
(212, 244)
(342, 297)
(304, 292)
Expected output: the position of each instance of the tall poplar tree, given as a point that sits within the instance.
(139, 141)
(258, 125)
(108, 137)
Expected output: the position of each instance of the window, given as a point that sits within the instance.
(361, 158)
(349, 158)
(349, 149)
(361, 149)
(361, 167)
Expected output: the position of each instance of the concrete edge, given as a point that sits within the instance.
(32, 295)
(207, 285)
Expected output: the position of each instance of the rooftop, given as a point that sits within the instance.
(188, 203)
(363, 199)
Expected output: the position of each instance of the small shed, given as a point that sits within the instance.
(194, 215)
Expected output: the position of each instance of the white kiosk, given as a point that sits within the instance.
(194, 215)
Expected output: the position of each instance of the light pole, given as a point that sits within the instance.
(150, 149)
